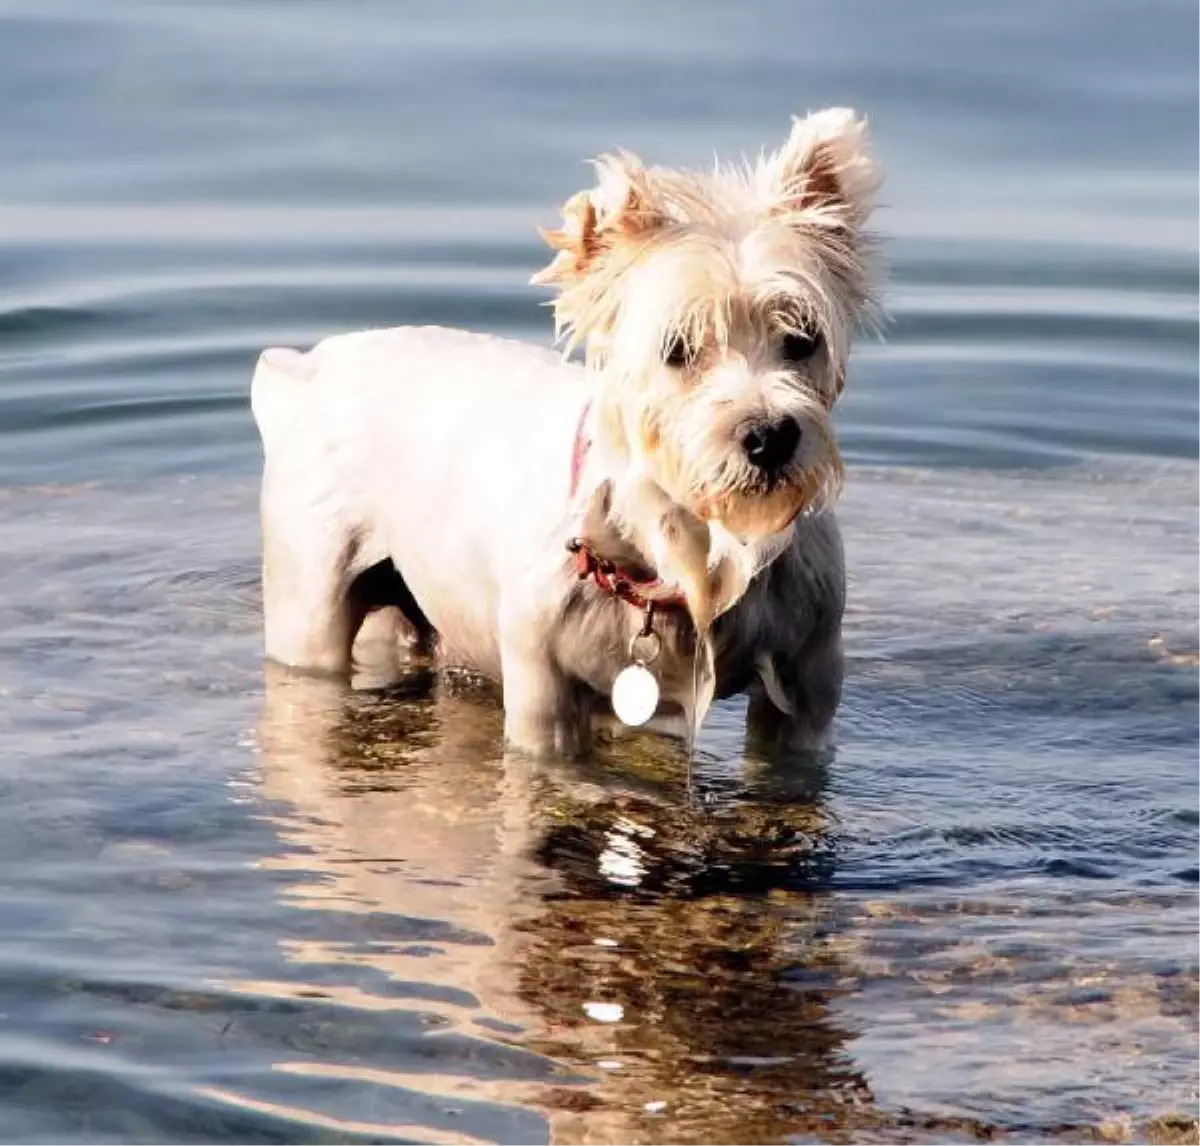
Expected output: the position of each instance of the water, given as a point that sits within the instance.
(248, 908)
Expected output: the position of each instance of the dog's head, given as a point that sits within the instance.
(721, 307)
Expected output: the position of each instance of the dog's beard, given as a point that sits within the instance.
(758, 507)
(705, 469)
(752, 504)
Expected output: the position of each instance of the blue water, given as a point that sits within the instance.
(248, 908)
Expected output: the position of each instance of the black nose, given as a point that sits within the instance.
(770, 445)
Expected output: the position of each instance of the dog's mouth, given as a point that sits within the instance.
(762, 504)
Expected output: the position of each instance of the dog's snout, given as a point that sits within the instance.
(770, 445)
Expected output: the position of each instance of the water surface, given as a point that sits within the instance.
(251, 907)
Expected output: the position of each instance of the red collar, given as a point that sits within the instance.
(648, 595)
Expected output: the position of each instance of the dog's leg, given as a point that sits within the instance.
(793, 701)
(393, 633)
(310, 620)
(545, 714)
(313, 553)
(315, 543)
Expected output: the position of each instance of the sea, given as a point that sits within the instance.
(239, 905)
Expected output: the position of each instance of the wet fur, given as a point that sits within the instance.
(430, 466)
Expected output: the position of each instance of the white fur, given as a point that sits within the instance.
(449, 454)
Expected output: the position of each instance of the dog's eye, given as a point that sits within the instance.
(800, 345)
(679, 353)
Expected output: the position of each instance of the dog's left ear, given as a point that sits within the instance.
(620, 206)
(826, 166)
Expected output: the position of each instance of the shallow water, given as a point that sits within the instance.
(255, 908)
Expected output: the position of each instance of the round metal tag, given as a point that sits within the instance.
(635, 695)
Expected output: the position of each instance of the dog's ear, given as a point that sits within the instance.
(826, 166)
(620, 206)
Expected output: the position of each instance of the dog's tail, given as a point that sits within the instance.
(278, 391)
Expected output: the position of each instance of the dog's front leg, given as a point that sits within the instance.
(545, 713)
(793, 701)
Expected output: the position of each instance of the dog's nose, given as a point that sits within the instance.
(770, 445)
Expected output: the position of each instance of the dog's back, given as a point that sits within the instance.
(445, 452)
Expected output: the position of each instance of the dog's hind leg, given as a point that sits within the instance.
(394, 635)
(309, 615)
(315, 542)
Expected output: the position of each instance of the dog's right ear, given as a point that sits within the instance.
(620, 206)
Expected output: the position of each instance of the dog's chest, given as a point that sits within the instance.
(599, 638)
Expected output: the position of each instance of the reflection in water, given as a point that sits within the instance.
(667, 951)
(979, 921)
(986, 910)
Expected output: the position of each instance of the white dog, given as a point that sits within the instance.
(545, 523)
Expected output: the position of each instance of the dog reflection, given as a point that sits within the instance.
(670, 948)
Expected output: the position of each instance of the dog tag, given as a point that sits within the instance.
(635, 695)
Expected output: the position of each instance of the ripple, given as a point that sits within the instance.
(240, 910)
(389, 903)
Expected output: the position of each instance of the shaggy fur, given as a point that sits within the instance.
(713, 307)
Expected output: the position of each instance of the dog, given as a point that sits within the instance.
(666, 503)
